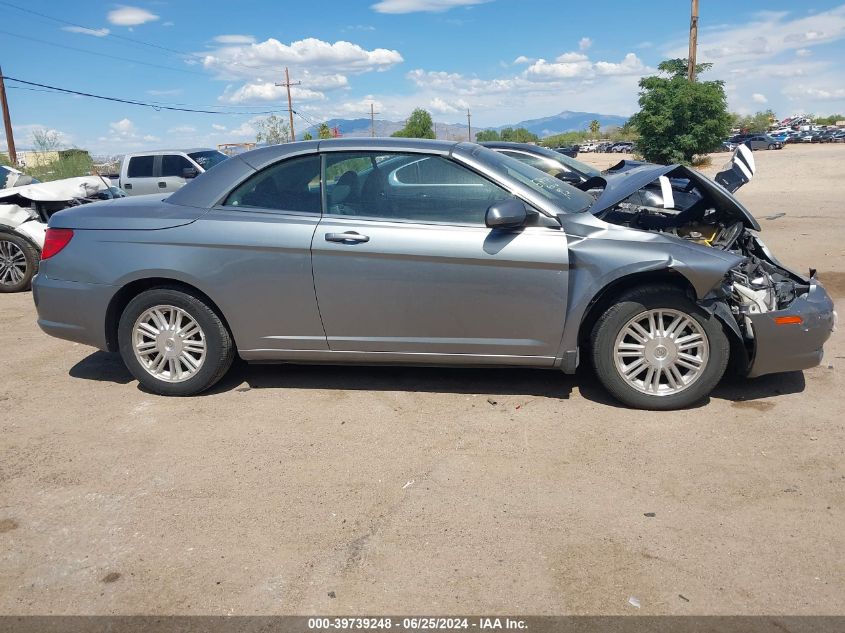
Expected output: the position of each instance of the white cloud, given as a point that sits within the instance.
(234, 39)
(182, 129)
(579, 66)
(124, 128)
(769, 34)
(84, 31)
(522, 59)
(759, 98)
(803, 52)
(319, 66)
(441, 106)
(257, 92)
(268, 56)
(130, 16)
(218, 127)
(415, 6)
(816, 93)
(585, 43)
(631, 65)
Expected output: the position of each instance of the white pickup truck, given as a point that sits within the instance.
(164, 171)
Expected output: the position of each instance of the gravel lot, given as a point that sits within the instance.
(299, 490)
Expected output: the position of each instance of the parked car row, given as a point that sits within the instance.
(609, 147)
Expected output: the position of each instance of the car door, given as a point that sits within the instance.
(405, 266)
(140, 175)
(257, 249)
(171, 172)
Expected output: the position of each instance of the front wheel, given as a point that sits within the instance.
(771, 145)
(174, 343)
(655, 349)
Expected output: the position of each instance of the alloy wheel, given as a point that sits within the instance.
(12, 263)
(169, 343)
(661, 352)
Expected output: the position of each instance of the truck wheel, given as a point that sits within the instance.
(655, 349)
(18, 263)
(174, 343)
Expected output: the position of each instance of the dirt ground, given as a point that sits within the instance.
(304, 490)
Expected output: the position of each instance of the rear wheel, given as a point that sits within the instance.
(18, 263)
(655, 349)
(174, 343)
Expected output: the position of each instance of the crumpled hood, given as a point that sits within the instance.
(624, 184)
(58, 190)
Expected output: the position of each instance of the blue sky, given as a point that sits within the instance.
(506, 60)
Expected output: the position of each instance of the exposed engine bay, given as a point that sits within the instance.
(677, 201)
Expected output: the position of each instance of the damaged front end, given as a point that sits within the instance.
(780, 318)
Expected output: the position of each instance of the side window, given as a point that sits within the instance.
(409, 187)
(140, 167)
(291, 185)
(173, 164)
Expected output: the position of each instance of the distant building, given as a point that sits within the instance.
(33, 158)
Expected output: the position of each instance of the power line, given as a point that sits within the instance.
(164, 103)
(287, 85)
(117, 57)
(155, 106)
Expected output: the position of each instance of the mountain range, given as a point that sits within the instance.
(566, 121)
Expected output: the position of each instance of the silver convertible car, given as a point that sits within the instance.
(435, 253)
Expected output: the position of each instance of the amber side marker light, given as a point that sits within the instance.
(789, 320)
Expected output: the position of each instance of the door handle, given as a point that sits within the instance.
(162, 184)
(350, 237)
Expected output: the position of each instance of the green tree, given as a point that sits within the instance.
(307, 137)
(755, 123)
(272, 130)
(828, 120)
(487, 135)
(518, 135)
(418, 125)
(595, 127)
(679, 119)
(68, 163)
(324, 131)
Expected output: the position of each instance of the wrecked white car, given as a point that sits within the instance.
(25, 210)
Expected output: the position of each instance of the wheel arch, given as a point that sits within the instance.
(129, 291)
(577, 337)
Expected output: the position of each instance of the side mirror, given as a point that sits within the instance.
(507, 214)
(190, 172)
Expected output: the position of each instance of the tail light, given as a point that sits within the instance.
(54, 241)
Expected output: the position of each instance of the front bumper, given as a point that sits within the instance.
(780, 348)
(72, 310)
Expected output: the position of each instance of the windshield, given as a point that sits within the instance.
(208, 159)
(565, 197)
(571, 163)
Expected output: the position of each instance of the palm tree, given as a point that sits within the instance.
(595, 126)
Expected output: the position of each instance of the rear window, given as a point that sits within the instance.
(140, 167)
(208, 159)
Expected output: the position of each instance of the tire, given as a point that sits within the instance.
(18, 262)
(612, 349)
(180, 359)
(771, 145)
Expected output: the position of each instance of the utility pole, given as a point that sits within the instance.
(469, 126)
(7, 122)
(287, 85)
(373, 114)
(693, 41)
